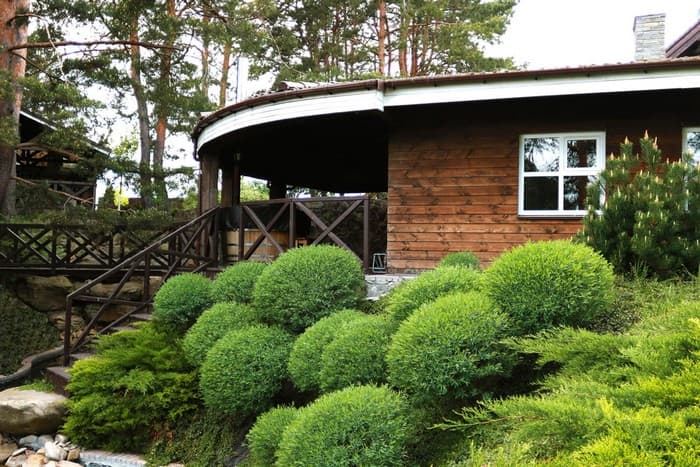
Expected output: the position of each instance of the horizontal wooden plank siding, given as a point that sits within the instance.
(453, 169)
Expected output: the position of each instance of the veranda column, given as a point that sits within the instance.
(208, 181)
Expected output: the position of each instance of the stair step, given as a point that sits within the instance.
(80, 356)
(122, 328)
(58, 376)
(142, 316)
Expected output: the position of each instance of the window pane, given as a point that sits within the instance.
(541, 154)
(692, 143)
(575, 192)
(541, 193)
(581, 153)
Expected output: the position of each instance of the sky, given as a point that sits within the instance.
(567, 33)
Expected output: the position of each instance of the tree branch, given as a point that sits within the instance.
(42, 45)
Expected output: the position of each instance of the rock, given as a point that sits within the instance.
(55, 452)
(20, 460)
(7, 448)
(67, 463)
(36, 460)
(28, 412)
(73, 454)
(30, 441)
(45, 293)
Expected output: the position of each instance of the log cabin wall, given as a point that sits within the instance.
(453, 169)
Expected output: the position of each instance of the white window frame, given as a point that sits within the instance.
(598, 136)
(686, 130)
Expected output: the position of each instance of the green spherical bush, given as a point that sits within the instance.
(245, 369)
(448, 349)
(550, 283)
(212, 325)
(235, 283)
(409, 295)
(305, 358)
(460, 258)
(358, 425)
(265, 435)
(180, 300)
(357, 354)
(305, 284)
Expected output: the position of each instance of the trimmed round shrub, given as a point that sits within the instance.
(305, 284)
(357, 354)
(448, 349)
(550, 283)
(408, 296)
(358, 425)
(245, 369)
(212, 325)
(235, 283)
(180, 300)
(460, 258)
(305, 358)
(264, 437)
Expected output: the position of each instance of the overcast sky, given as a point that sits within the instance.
(562, 33)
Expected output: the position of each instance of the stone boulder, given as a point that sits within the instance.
(45, 293)
(24, 412)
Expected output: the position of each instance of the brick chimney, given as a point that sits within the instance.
(649, 37)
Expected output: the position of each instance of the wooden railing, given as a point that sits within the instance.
(70, 248)
(193, 247)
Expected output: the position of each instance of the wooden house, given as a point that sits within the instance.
(479, 162)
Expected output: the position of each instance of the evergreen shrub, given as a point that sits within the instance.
(406, 297)
(550, 283)
(235, 283)
(449, 349)
(305, 358)
(358, 425)
(357, 354)
(245, 369)
(138, 383)
(305, 284)
(265, 436)
(180, 300)
(460, 258)
(212, 325)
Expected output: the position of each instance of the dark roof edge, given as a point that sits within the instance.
(686, 40)
(394, 83)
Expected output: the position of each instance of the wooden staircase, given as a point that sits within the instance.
(193, 247)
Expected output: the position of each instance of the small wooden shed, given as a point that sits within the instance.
(478, 162)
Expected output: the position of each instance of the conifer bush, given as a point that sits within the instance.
(644, 212)
(429, 285)
(212, 325)
(245, 369)
(305, 284)
(358, 425)
(235, 283)
(460, 258)
(138, 383)
(265, 436)
(305, 357)
(180, 300)
(550, 283)
(356, 355)
(449, 349)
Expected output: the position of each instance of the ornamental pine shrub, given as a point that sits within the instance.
(305, 284)
(460, 258)
(245, 369)
(305, 358)
(550, 283)
(449, 349)
(180, 300)
(265, 436)
(429, 285)
(358, 425)
(235, 283)
(137, 384)
(644, 212)
(212, 325)
(356, 355)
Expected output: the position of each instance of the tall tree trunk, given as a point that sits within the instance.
(206, 19)
(381, 38)
(13, 31)
(142, 115)
(225, 68)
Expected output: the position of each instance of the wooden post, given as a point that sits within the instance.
(227, 184)
(278, 190)
(208, 181)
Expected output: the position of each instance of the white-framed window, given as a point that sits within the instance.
(691, 142)
(555, 170)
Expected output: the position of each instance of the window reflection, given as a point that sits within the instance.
(692, 143)
(541, 193)
(541, 154)
(575, 189)
(581, 153)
